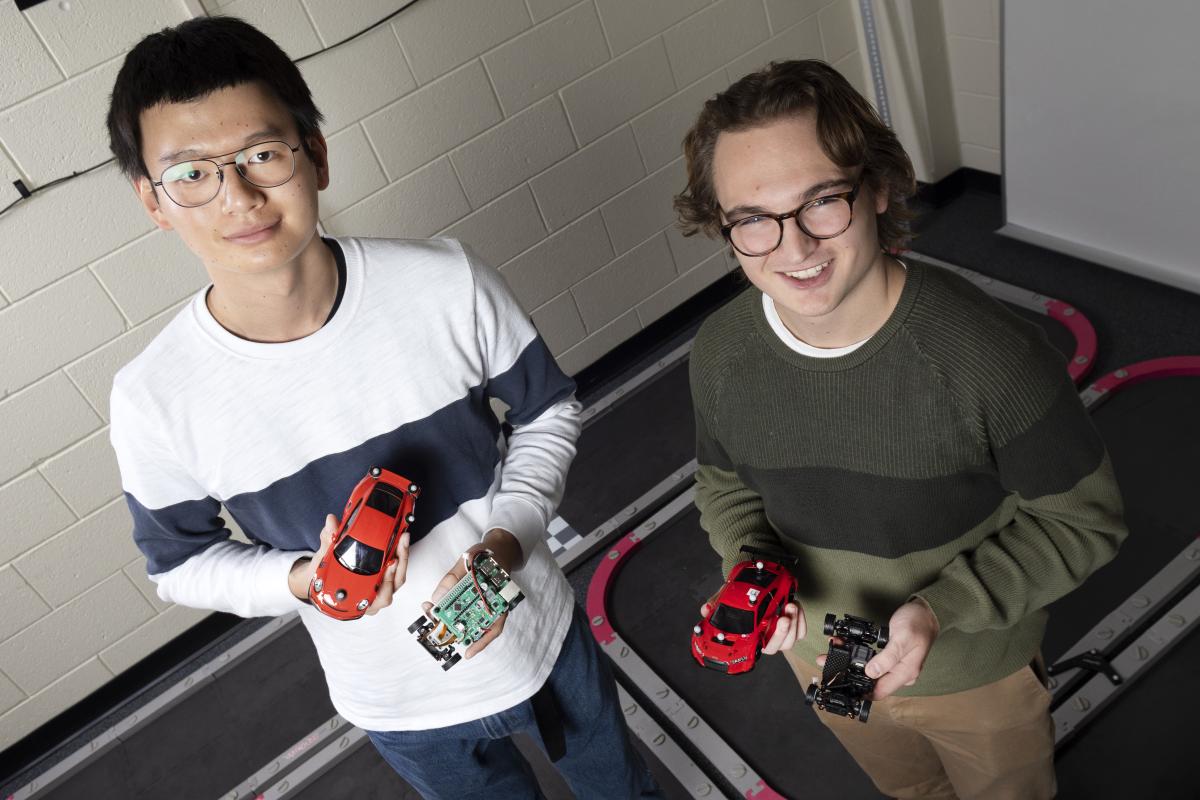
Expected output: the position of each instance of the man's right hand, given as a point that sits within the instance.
(302, 571)
(790, 627)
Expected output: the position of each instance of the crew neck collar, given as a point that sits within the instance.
(855, 354)
(350, 272)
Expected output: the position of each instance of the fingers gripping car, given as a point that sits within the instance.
(468, 611)
(745, 613)
(844, 688)
(379, 511)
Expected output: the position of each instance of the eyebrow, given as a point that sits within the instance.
(181, 155)
(813, 191)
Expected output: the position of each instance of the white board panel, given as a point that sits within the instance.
(1102, 132)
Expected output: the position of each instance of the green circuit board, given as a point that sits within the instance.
(463, 612)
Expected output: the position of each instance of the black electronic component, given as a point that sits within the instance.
(844, 687)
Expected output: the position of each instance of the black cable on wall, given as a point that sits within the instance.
(27, 192)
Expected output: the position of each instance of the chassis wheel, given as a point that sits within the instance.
(864, 710)
(810, 695)
(830, 621)
(416, 626)
(882, 639)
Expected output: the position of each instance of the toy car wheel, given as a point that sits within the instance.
(864, 711)
(830, 621)
(882, 639)
(375, 471)
(416, 626)
(454, 659)
(810, 696)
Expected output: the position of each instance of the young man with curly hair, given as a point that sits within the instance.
(919, 448)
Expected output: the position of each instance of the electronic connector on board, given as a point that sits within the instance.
(466, 612)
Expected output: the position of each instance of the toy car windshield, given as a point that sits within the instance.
(733, 620)
(358, 557)
(385, 499)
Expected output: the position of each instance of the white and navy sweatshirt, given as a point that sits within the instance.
(401, 377)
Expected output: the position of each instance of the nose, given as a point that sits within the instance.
(237, 193)
(795, 244)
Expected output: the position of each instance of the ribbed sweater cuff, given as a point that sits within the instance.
(949, 602)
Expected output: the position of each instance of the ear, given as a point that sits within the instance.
(143, 188)
(881, 199)
(319, 153)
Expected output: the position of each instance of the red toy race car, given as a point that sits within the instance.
(745, 613)
(379, 510)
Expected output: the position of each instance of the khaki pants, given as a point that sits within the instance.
(993, 743)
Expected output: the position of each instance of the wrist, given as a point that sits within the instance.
(934, 625)
(298, 578)
(505, 548)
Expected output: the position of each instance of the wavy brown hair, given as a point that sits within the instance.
(851, 135)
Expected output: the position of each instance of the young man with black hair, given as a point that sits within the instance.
(308, 361)
(918, 447)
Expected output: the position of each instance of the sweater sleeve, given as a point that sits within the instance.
(178, 527)
(541, 408)
(1068, 520)
(731, 513)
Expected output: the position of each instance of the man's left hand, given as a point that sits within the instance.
(507, 552)
(911, 632)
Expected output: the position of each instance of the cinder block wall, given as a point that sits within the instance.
(973, 43)
(543, 132)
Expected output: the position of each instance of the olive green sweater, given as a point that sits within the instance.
(948, 458)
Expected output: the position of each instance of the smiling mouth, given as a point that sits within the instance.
(252, 233)
(806, 274)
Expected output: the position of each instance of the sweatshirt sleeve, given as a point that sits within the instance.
(178, 527)
(1069, 516)
(541, 409)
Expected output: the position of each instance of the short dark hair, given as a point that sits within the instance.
(192, 60)
(850, 132)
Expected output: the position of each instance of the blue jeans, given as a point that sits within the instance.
(478, 759)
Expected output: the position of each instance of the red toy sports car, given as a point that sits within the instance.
(379, 510)
(745, 613)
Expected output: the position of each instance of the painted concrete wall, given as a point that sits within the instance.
(973, 44)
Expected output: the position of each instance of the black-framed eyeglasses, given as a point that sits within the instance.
(823, 218)
(196, 182)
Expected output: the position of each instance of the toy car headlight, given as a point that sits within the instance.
(318, 584)
(362, 604)
(696, 630)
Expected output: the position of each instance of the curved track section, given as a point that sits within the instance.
(688, 721)
(1154, 369)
